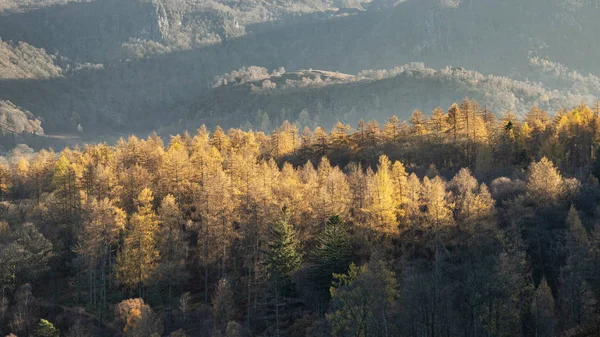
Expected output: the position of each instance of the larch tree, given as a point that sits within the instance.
(138, 319)
(544, 183)
(65, 180)
(175, 172)
(132, 182)
(391, 130)
(340, 135)
(219, 140)
(400, 188)
(382, 205)
(102, 225)
(334, 195)
(138, 257)
(223, 305)
(543, 309)
(575, 293)
(171, 243)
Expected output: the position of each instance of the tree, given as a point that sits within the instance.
(283, 255)
(544, 183)
(46, 329)
(362, 301)
(175, 172)
(171, 246)
(25, 311)
(391, 130)
(24, 255)
(102, 224)
(333, 192)
(220, 140)
(283, 259)
(543, 310)
(78, 330)
(65, 180)
(438, 209)
(340, 135)
(575, 293)
(382, 205)
(138, 319)
(330, 256)
(472, 202)
(401, 190)
(223, 306)
(137, 259)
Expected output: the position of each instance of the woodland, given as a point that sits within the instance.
(451, 223)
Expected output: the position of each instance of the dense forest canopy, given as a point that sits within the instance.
(456, 223)
(299, 168)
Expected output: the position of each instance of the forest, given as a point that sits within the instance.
(452, 223)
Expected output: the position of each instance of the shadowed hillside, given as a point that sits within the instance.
(326, 97)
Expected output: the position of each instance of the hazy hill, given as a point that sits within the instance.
(148, 69)
(244, 96)
(110, 30)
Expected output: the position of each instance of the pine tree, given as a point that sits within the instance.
(330, 256)
(362, 301)
(283, 259)
(283, 255)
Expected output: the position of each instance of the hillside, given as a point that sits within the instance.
(15, 120)
(244, 96)
(146, 71)
(129, 29)
(23, 61)
(481, 215)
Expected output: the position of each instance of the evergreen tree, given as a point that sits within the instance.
(362, 301)
(283, 259)
(283, 253)
(330, 256)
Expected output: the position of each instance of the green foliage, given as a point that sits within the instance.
(46, 329)
(331, 255)
(362, 301)
(283, 254)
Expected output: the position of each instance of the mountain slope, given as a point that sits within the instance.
(23, 61)
(328, 97)
(153, 70)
